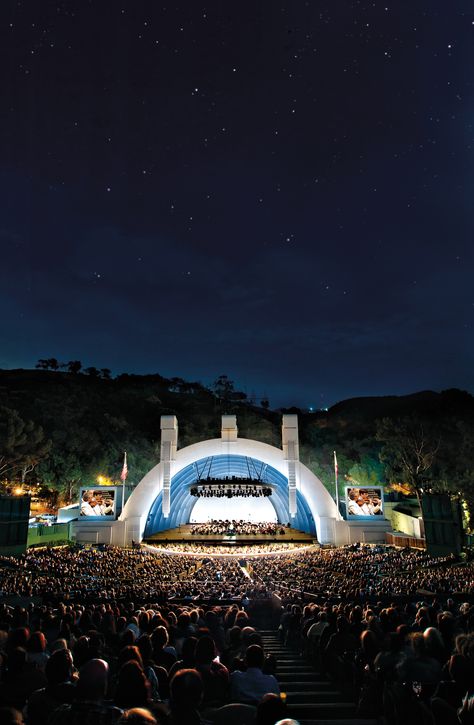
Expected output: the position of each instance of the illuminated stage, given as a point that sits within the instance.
(183, 535)
(229, 478)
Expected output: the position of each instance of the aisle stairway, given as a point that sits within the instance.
(311, 698)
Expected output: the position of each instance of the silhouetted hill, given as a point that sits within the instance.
(91, 420)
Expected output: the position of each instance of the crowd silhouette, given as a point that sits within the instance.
(110, 635)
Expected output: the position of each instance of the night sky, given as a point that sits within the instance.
(278, 191)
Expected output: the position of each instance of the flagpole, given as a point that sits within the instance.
(123, 477)
(336, 481)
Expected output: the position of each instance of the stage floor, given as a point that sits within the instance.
(183, 534)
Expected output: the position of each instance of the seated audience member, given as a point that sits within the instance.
(10, 716)
(418, 666)
(20, 680)
(215, 676)
(133, 688)
(137, 716)
(188, 653)
(36, 650)
(90, 706)
(186, 693)
(59, 690)
(162, 654)
(252, 684)
(270, 709)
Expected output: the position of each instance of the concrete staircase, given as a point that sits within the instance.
(311, 698)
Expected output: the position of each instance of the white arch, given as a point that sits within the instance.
(322, 506)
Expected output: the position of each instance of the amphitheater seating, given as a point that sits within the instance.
(311, 698)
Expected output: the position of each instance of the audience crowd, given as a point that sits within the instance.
(203, 549)
(106, 635)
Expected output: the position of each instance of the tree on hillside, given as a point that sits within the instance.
(92, 372)
(456, 463)
(73, 366)
(106, 373)
(22, 444)
(409, 450)
(48, 364)
(366, 472)
(223, 388)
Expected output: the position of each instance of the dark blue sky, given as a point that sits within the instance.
(281, 192)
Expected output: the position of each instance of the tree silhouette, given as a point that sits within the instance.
(409, 450)
(74, 366)
(22, 444)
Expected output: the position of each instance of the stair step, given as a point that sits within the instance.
(322, 710)
(293, 667)
(345, 721)
(298, 676)
(313, 696)
(309, 686)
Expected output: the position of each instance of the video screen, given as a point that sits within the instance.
(98, 502)
(365, 502)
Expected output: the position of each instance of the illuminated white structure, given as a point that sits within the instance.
(162, 499)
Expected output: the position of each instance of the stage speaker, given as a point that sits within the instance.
(442, 518)
(14, 519)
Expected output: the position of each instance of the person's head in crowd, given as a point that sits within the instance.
(241, 619)
(11, 716)
(120, 625)
(186, 690)
(434, 644)
(143, 621)
(247, 633)
(342, 625)
(160, 638)
(36, 643)
(96, 643)
(127, 654)
(403, 631)
(58, 644)
(254, 656)
(81, 651)
(16, 663)
(184, 621)
(417, 643)
(92, 684)
(235, 636)
(205, 651)
(18, 638)
(369, 645)
(137, 716)
(59, 667)
(270, 709)
(145, 647)
(127, 638)
(188, 651)
(460, 671)
(133, 688)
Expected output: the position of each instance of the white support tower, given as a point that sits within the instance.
(229, 428)
(291, 452)
(169, 445)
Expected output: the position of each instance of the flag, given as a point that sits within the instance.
(124, 473)
(335, 465)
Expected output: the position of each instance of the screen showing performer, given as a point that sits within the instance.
(364, 501)
(98, 502)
